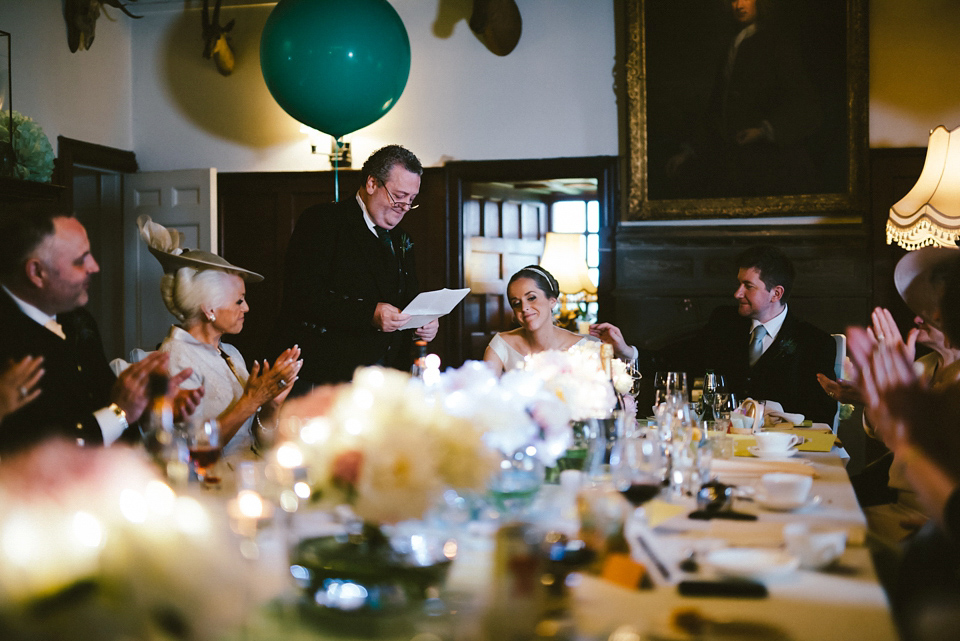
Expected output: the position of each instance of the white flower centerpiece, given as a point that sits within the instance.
(576, 376)
(94, 545)
(387, 446)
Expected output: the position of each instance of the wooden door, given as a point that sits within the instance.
(503, 231)
(184, 200)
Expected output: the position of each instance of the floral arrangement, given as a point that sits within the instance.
(576, 377)
(384, 444)
(93, 545)
(34, 154)
(514, 411)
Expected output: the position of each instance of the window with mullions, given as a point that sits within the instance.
(581, 217)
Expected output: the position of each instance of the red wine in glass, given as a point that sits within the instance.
(640, 493)
(204, 457)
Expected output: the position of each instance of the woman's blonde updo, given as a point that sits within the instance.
(188, 291)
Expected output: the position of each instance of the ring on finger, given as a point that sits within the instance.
(281, 383)
(23, 392)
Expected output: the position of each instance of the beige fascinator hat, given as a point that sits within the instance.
(165, 245)
(919, 278)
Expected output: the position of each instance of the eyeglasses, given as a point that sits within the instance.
(394, 202)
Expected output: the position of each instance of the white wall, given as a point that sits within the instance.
(83, 95)
(144, 86)
(552, 96)
(914, 54)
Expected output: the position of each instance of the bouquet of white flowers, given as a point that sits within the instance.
(576, 377)
(94, 545)
(514, 411)
(386, 445)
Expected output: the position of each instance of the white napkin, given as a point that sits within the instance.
(773, 414)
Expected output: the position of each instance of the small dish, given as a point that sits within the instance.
(751, 563)
(780, 505)
(756, 451)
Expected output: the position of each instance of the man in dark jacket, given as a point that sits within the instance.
(349, 272)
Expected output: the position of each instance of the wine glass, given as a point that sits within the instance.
(638, 470)
(203, 441)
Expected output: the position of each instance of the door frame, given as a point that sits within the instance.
(606, 171)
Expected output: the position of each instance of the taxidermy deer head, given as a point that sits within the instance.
(497, 24)
(216, 45)
(81, 17)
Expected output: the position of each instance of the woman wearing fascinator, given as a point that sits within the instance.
(533, 293)
(207, 295)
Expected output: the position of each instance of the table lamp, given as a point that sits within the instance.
(930, 212)
(564, 257)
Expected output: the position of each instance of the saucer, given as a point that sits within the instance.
(751, 563)
(766, 454)
(787, 505)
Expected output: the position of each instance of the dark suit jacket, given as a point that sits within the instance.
(77, 382)
(786, 373)
(336, 272)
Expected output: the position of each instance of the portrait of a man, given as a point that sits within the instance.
(745, 98)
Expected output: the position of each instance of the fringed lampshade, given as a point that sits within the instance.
(563, 256)
(930, 212)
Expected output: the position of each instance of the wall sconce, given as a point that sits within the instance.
(565, 258)
(930, 212)
(339, 150)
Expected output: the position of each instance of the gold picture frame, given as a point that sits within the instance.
(671, 86)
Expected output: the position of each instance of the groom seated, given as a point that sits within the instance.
(763, 350)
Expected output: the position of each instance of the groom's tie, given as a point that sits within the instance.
(756, 344)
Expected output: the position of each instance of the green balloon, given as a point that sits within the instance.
(335, 65)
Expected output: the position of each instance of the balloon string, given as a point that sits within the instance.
(336, 172)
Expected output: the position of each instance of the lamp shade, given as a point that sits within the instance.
(930, 212)
(564, 257)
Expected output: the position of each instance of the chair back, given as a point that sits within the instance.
(840, 340)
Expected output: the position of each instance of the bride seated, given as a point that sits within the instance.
(533, 293)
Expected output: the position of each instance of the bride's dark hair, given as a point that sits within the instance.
(544, 280)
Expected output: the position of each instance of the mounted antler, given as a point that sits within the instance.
(216, 44)
(81, 17)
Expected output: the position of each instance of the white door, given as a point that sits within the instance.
(185, 200)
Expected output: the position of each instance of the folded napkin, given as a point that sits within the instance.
(750, 467)
(773, 414)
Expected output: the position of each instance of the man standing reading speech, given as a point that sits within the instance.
(349, 272)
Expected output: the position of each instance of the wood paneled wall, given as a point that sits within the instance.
(657, 282)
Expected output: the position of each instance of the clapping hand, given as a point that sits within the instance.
(273, 384)
(18, 383)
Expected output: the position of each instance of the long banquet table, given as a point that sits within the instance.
(845, 601)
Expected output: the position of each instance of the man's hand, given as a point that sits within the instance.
(611, 334)
(130, 390)
(388, 318)
(185, 401)
(840, 390)
(428, 332)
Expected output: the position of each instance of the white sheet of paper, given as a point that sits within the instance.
(428, 306)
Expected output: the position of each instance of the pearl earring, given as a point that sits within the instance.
(212, 318)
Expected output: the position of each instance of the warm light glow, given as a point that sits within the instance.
(565, 258)
(133, 506)
(930, 212)
(160, 497)
(191, 517)
(250, 504)
(315, 431)
(87, 530)
(301, 489)
(289, 455)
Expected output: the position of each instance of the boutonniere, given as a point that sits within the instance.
(405, 244)
(787, 347)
